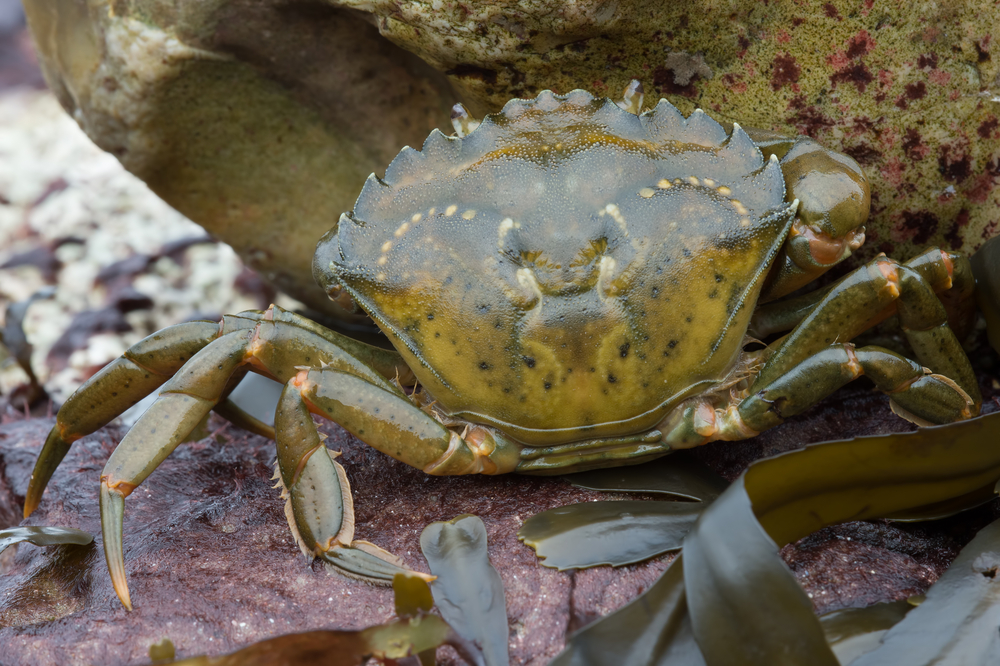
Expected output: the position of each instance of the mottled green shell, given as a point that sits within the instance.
(568, 270)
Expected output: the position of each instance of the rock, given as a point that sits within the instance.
(212, 566)
(233, 113)
(191, 97)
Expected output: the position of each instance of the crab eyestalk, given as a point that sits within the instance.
(462, 121)
(632, 97)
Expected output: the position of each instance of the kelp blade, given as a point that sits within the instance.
(589, 534)
(791, 495)
(653, 630)
(678, 474)
(468, 590)
(746, 607)
(957, 622)
(413, 597)
(337, 648)
(852, 632)
(799, 492)
(43, 536)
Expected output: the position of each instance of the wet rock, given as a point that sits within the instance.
(212, 566)
(258, 120)
(330, 92)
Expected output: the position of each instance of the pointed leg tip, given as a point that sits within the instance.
(112, 519)
(123, 594)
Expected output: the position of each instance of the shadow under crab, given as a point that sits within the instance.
(571, 284)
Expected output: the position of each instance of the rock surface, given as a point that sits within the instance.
(190, 96)
(211, 564)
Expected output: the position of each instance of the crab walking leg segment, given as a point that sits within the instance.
(810, 363)
(146, 365)
(385, 419)
(142, 369)
(276, 345)
(948, 274)
(182, 404)
(320, 510)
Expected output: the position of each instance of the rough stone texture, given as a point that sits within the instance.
(258, 120)
(190, 96)
(211, 563)
(910, 91)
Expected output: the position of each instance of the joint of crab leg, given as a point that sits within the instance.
(112, 521)
(479, 451)
(890, 271)
(700, 422)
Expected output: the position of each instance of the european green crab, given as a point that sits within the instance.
(571, 283)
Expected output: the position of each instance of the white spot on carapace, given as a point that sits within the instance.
(431, 212)
(402, 229)
(724, 191)
(469, 214)
(416, 218)
(709, 182)
(506, 224)
(604, 282)
(745, 222)
(694, 181)
(646, 192)
(612, 210)
(380, 277)
(664, 184)
(386, 246)
(450, 210)
(740, 208)
(526, 278)
(383, 260)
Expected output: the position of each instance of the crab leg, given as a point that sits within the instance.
(865, 297)
(183, 403)
(834, 200)
(915, 395)
(146, 365)
(386, 420)
(128, 379)
(320, 509)
(809, 363)
(956, 285)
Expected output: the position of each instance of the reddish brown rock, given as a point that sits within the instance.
(212, 566)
